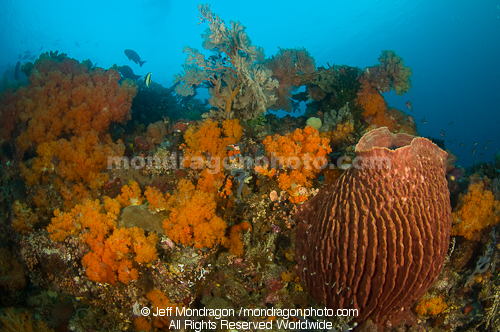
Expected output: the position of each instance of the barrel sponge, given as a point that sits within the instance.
(375, 239)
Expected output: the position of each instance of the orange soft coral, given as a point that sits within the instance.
(24, 218)
(68, 98)
(235, 242)
(375, 107)
(113, 251)
(209, 140)
(74, 166)
(22, 322)
(160, 300)
(206, 149)
(89, 215)
(131, 195)
(192, 219)
(301, 154)
(156, 199)
(478, 210)
(431, 306)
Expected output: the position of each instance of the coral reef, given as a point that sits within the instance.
(395, 222)
(105, 211)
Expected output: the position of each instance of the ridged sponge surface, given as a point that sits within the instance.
(375, 240)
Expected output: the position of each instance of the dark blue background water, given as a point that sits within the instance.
(453, 47)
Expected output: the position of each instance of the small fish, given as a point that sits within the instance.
(423, 120)
(482, 154)
(41, 48)
(450, 123)
(408, 104)
(26, 56)
(132, 55)
(475, 143)
(489, 142)
(442, 133)
(16, 71)
(461, 144)
(147, 79)
(474, 151)
(77, 44)
(411, 119)
(485, 148)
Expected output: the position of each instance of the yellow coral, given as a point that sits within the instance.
(478, 210)
(431, 306)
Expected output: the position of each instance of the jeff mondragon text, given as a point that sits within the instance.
(258, 312)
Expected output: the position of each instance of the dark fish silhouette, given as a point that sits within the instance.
(132, 55)
(127, 72)
(16, 71)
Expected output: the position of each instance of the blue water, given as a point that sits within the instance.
(453, 47)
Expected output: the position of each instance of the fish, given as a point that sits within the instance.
(411, 119)
(16, 71)
(423, 120)
(485, 148)
(132, 55)
(461, 144)
(408, 104)
(475, 143)
(127, 72)
(77, 44)
(482, 154)
(41, 48)
(450, 123)
(489, 142)
(147, 79)
(474, 151)
(442, 133)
